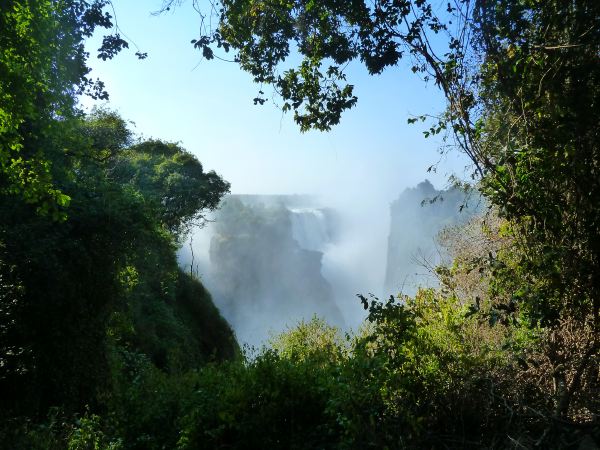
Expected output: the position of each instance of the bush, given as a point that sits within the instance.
(277, 399)
(422, 374)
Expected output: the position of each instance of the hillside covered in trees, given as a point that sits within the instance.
(106, 344)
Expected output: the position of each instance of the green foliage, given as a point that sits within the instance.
(64, 279)
(106, 133)
(431, 363)
(87, 435)
(42, 68)
(22, 433)
(58, 432)
(212, 335)
(313, 340)
(539, 85)
(109, 270)
(421, 375)
(172, 181)
(233, 401)
(287, 387)
(145, 402)
(327, 35)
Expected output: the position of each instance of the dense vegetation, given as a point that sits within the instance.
(93, 306)
(106, 344)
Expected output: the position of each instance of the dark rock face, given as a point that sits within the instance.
(266, 264)
(417, 216)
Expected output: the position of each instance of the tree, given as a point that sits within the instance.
(69, 227)
(61, 282)
(55, 280)
(173, 182)
(42, 70)
(539, 87)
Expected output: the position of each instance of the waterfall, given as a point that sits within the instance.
(310, 228)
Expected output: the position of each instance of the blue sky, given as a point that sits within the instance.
(207, 107)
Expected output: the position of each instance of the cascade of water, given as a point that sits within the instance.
(309, 228)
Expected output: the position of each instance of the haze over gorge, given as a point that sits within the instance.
(271, 261)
